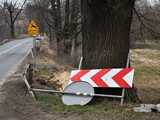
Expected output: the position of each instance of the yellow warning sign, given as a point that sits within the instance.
(33, 29)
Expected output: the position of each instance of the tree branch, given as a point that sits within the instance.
(149, 28)
(20, 10)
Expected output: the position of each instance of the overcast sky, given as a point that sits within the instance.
(152, 2)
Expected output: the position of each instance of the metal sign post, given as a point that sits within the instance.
(123, 90)
(27, 83)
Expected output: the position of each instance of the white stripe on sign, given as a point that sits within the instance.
(74, 72)
(108, 77)
(87, 77)
(129, 78)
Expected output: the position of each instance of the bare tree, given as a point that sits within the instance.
(75, 26)
(3, 26)
(12, 10)
(63, 20)
(146, 22)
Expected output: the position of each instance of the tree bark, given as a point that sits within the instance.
(12, 31)
(58, 28)
(74, 31)
(73, 51)
(12, 28)
(67, 15)
(106, 29)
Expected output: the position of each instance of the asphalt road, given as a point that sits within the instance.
(12, 54)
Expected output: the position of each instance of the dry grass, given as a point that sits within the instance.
(147, 77)
(57, 75)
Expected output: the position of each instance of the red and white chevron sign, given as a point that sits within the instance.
(119, 78)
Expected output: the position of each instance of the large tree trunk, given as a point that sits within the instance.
(105, 29)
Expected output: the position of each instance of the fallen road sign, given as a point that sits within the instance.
(84, 93)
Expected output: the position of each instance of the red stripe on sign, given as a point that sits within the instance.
(118, 78)
(97, 78)
(78, 76)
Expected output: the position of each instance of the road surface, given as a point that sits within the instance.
(12, 54)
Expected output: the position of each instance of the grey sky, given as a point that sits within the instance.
(152, 2)
(19, 2)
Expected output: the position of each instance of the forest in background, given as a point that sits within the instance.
(61, 20)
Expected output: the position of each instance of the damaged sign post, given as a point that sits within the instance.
(73, 96)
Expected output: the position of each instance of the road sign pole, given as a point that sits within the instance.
(34, 52)
(123, 90)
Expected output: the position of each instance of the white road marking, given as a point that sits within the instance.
(5, 51)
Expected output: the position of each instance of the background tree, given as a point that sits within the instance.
(63, 20)
(12, 10)
(3, 26)
(146, 22)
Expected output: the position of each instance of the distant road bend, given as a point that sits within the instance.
(11, 54)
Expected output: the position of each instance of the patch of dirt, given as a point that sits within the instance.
(16, 104)
(56, 79)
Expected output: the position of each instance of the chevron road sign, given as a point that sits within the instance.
(33, 29)
(116, 78)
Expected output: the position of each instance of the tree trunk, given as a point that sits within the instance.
(12, 29)
(66, 23)
(75, 10)
(51, 38)
(67, 16)
(106, 29)
(58, 28)
(73, 51)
